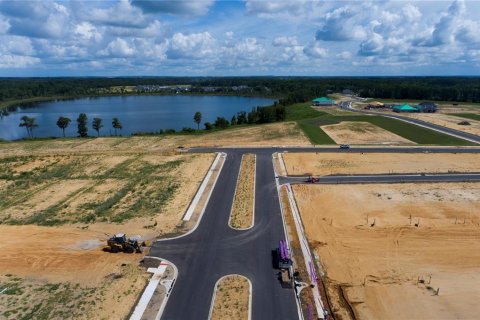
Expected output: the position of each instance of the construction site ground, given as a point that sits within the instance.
(376, 163)
(59, 201)
(379, 265)
(359, 132)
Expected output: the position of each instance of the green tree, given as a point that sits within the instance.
(29, 124)
(208, 126)
(198, 119)
(221, 123)
(116, 125)
(233, 121)
(63, 123)
(97, 125)
(82, 125)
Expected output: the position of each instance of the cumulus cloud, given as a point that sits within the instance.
(121, 14)
(341, 25)
(36, 18)
(4, 25)
(193, 46)
(316, 50)
(285, 42)
(293, 9)
(87, 31)
(183, 7)
(118, 48)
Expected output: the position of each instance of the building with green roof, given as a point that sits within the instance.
(404, 108)
(323, 101)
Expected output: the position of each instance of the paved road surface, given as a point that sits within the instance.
(387, 178)
(214, 250)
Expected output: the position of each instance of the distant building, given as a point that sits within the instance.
(427, 106)
(348, 92)
(375, 105)
(323, 101)
(404, 108)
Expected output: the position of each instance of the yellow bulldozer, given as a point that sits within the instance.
(120, 243)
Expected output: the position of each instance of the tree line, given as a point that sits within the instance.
(287, 89)
(63, 123)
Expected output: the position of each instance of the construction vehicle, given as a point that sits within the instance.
(284, 264)
(312, 179)
(120, 243)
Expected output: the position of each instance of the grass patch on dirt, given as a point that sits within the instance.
(471, 116)
(23, 298)
(241, 216)
(310, 120)
(36, 192)
(231, 299)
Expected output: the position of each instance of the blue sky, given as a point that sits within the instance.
(234, 38)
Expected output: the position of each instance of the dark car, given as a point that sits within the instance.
(344, 146)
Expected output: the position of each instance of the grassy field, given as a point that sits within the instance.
(472, 116)
(310, 120)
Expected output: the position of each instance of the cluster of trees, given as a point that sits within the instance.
(63, 122)
(258, 115)
(287, 89)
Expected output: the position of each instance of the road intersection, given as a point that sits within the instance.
(214, 249)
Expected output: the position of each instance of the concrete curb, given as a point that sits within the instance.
(282, 209)
(223, 154)
(188, 214)
(235, 194)
(307, 256)
(215, 294)
(149, 290)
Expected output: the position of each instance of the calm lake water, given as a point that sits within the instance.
(136, 113)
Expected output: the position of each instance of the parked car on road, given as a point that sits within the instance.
(344, 146)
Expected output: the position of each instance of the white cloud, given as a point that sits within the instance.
(13, 61)
(289, 9)
(87, 31)
(285, 42)
(4, 25)
(344, 55)
(118, 48)
(194, 46)
(341, 25)
(16, 45)
(316, 50)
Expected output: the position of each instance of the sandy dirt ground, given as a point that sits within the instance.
(231, 300)
(448, 121)
(284, 133)
(63, 272)
(64, 265)
(347, 132)
(373, 254)
(358, 163)
(241, 216)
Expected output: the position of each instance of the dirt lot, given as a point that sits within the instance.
(283, 133)
(231, 300)
(55, 210)
(448, 121)
(373, 254)
(358, 163)
(347, 132)
(241, 216)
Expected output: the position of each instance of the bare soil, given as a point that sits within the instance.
(358, 163)
(448, 121)
(231, 299)
(241, 216)
(374, 255)
(348, 132)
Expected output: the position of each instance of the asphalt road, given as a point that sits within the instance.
(214, 250)
(386, 178)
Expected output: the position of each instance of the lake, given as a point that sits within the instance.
(136, 113)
